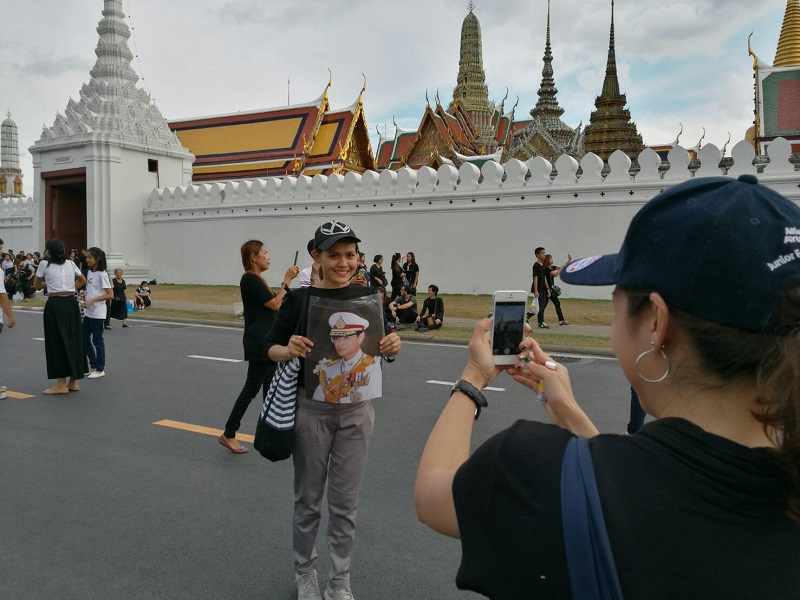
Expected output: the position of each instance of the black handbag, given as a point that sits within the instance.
(274, 437)
(555, 291)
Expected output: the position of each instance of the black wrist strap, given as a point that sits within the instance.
(471, 392)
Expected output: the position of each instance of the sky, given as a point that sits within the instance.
(679, 61)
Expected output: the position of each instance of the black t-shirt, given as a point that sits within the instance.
(397, 276)
(540, 275)
(689, 515)
(290, 314)
(258, 319)
(376, 271)
(411, 270)
(433, 307)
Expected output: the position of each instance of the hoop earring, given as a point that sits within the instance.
(645, 353)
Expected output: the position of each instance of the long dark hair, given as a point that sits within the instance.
(395, 258)
(56, 255)
(768, 361)
(99, 256)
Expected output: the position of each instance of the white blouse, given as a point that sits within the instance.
(59, 278)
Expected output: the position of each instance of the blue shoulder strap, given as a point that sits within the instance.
(592, 572)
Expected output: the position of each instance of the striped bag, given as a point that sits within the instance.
(275, 429)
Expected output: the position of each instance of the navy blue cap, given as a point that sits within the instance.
(331, 232)
(722, 249)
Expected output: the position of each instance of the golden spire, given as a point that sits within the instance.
(788, 54)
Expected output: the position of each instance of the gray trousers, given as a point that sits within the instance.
(331, 442)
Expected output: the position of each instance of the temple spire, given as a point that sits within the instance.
(547, 106)
(788, 53)
(471, 90)
(611, 83)
(111, 106)
(610, 127)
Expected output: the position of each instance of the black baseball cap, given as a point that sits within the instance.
(331, 232)
(718, 248)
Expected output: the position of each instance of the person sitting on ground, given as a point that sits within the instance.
(404, 307)
(432, 313)
(385, 302)
(709, 492)
(143, 296)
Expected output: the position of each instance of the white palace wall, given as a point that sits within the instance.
(19, 224)
(472, 231)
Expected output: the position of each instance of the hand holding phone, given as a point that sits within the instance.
(508, 308)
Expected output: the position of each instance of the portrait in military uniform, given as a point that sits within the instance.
(345, 366)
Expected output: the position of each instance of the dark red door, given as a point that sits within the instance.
(65, 208)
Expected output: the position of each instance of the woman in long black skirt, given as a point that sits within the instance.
(63, 334)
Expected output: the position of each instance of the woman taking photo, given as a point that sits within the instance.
(260, 311)
(551, 272)
(98, 290)
(703, 502)
(63, 339)
(331, 439)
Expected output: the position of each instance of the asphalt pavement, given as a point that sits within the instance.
(103, 499)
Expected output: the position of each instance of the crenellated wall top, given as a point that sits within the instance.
(536, 175)
(16, 207)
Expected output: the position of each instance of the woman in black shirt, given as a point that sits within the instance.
(260, 311)
(397, 275)
(709, 492)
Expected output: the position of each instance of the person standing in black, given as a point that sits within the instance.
(377, 274)
(397, 275)
(540, 288)
(411, 271)
(261, 308)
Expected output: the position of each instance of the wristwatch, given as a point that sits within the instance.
(471, 392)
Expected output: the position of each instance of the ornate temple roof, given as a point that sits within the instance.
(300, 139)
(788, 53)
(111, 107)
(610, 127)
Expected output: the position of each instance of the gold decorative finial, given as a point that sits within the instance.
(364, 88)
(428, 102)
(330, 77)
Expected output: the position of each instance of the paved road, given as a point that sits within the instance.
(99, 502)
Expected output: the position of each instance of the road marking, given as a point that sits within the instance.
(451, 383)
(18, 395)
(200, 429)
(233, 360)
(38, 339)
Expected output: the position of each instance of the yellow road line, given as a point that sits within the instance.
(18, 395)
(200, 429)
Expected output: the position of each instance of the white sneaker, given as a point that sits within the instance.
(343, 594)
(96, 374)
(308, 586)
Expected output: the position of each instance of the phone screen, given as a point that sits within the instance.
(509, 327)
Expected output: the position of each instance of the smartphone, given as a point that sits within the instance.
(296, 253)
(508, 309)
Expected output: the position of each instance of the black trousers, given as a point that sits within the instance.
(259, 375)
(557, 303)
